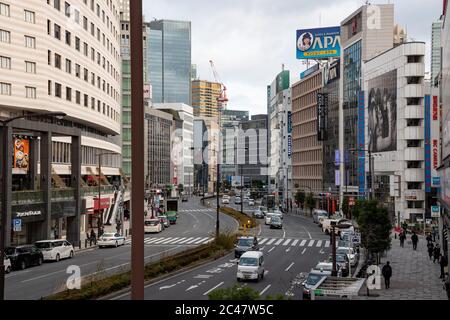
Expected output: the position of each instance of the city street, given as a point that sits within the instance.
(195, 226)
(289, 255)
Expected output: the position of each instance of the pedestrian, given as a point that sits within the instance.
(447, 285)
(402, 239)
(415, 240)
(436, 253)
(443, 262)
(92, 238)
(435, 232)
(430, 250)
(387, 274)
(429, 238)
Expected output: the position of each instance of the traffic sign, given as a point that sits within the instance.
(17, 225)
(356, 238)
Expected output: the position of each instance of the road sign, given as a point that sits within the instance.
(17, 225)
(356, 238)
(435, 211)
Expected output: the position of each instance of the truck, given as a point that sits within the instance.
(172, 210)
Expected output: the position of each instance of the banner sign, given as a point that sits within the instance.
(289, 146)
(361, 145)
(427, 143)
(289, 122)
(322, 111)
(319, 43)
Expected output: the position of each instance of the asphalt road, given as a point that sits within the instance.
(196, 225)
(289, 255)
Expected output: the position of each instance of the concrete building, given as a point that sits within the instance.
(169, 61)
(211, 152)
(182, 144)
(200, 156)
(396, 129)
(65, 57)
(307, 165)
(436, 34)
(205, 95)
(279, 110)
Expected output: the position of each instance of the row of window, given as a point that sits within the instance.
(61, 153)
(83, 73)
(5, 36)
(29, 16)
(94, 55)
(82, 99)
(5, 89)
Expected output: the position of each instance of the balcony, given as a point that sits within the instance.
(27, 197)
(414, 70)
(414, 133)
(413, 90)
(414, 112)
(414, 175)
(414, 154)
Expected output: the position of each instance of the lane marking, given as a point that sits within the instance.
(177, 240)
(173, 240)
(290, 266)
(263, 240)
(288, 249)
(201, 240)
(286, 242)
(294, 243)
(186, 240)
(203, 276)
(327, 244)
(279, 241)
(192, 241)
(304, 250)
(311, 243)
(271, 249)
(150, 240)
(160, 240)
(270, 241)
(284, 233)
(207, 292)
(261, 249)
(319, 243)
(302, 244)
(265, 289)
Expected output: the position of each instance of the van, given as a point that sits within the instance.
(251, 266)
(55, 249)
(319, 213)
(326, 226)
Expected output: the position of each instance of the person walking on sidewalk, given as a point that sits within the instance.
(436, 253)
(430, 249)
(429, 238)
(415, 240)
(447, 285)
(443, 263)
(402, 239)
(387, 274)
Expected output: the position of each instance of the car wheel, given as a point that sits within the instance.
(23, 265)
(116, 244)
(71, 255)
(39, 261)
(8, 269)
(57, 257)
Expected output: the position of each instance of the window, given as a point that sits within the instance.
(85, 23)
(414, 164)
(92, 78)
(85, 49)
(92, 29)
(413, 122)
(49, 27)
(86, 75)
(5, 89)
(68, 38)
(86, 100)
(4, 9)
(77, 97)
(98, 10)
(93, 103)
(77, 43)
(30, 92)
(413, 80)
(29, 16)
(5, 62)
(68, 94)
(67, 10)
(77, 70)
(414, 185)
(413, 101)
(414, 59)
(413, 143)
(68, 66)
(5, 36)
(57, 90)
(77, 16)
(49, 87)
(57, 31)
(30, 42)
(57, 4)
(30, 67)
(49, 57)
(57, 61)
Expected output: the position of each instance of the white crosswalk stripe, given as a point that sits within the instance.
(319, 243)
(302, 244)
(311, 243)
(192, 241)
(327, 244)
(174, 241)
(294, 243)
(201, 240)
(186, 240)
(164, 241)
(263, 240)
(271, 241)
(286, 242)
(278, 242)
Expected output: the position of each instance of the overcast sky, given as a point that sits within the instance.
(249, 40)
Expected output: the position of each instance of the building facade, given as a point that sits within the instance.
(64, 56)
(169, 61)
(205, 95)
(436, 34)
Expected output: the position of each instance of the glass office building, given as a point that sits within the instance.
(169, 61)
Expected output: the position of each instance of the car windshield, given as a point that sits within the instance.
(324, 267)
(108, 235)
(10, 251)
(313, 279)
(43, 245)
(151, 223)
(275, 219)
(343, 251)
(248, 262)
(340, 258)
(245, 242)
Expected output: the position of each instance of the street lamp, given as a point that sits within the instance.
(5, 159)
(333, 249)
(190, 185)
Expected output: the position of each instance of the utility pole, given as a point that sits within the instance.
(333, 248)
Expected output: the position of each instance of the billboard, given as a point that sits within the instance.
(319, 43)
(282, 81)
(21, 153)
(382, 109)
(361, 145)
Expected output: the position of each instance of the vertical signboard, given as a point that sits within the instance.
(322, 110)
(427, 143)
(434, 139)
(361, 145)
(21, 154)
(289, 122)
(289, 146)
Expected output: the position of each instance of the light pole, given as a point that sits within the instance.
(370, 194)
(190, 185)
(5, 186)
(333, 248)
(218, 173)
(100, 213)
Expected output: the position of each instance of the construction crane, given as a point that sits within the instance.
(222, 100)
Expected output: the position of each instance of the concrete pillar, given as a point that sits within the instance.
(33, 164)
(6, 149)
(73, 223)
(46, 183)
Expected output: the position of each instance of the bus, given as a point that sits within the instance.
(268, 201)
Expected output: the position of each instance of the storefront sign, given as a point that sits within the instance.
(435, 154)
(28, 214)
(435, 108)
(104, 203)
(427, 139)
(17, 225)
(435, 211)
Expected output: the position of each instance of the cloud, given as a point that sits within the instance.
(250, 40)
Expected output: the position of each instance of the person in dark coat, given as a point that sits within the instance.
(443, 262)
(93, 237)
(430, 249)
(387, 274)
(436, 253)
(447, 285)
(415, 240)
(429, 238)
(402, 239)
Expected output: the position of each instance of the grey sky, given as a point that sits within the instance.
(249, 40)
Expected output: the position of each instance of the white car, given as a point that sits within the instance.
(251, 202)
(237, 200)
(111, 240)
(251, 266)
(268, 218)
(152, 226)
(55, 250)
(225, 201)
(7, 264)
(351, 254)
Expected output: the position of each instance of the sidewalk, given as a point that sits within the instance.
(414, 276)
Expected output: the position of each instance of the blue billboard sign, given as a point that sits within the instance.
(289, 122)
(319, 43)
(361, 145)
(309, 71)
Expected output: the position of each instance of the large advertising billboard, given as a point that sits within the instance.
(382, 108)
(361, 145)
(319, 43)
(21, 154)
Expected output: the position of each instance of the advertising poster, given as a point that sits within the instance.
(21, 153)
(382, 108)
(319, 43)
(361, 145)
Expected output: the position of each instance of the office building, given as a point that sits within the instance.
(61, 56)
(436, 34)
(200, 156)
(210, 153)
(169, 61)
(205, 95)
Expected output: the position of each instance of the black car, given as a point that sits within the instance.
(245, 244)
(22, 257)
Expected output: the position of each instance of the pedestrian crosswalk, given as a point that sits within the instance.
(289, 242)
(196, 210)
(175, 241)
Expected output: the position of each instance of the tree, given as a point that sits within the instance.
(310, 202)
(236, 292)
(375, 226)
(300, 198)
